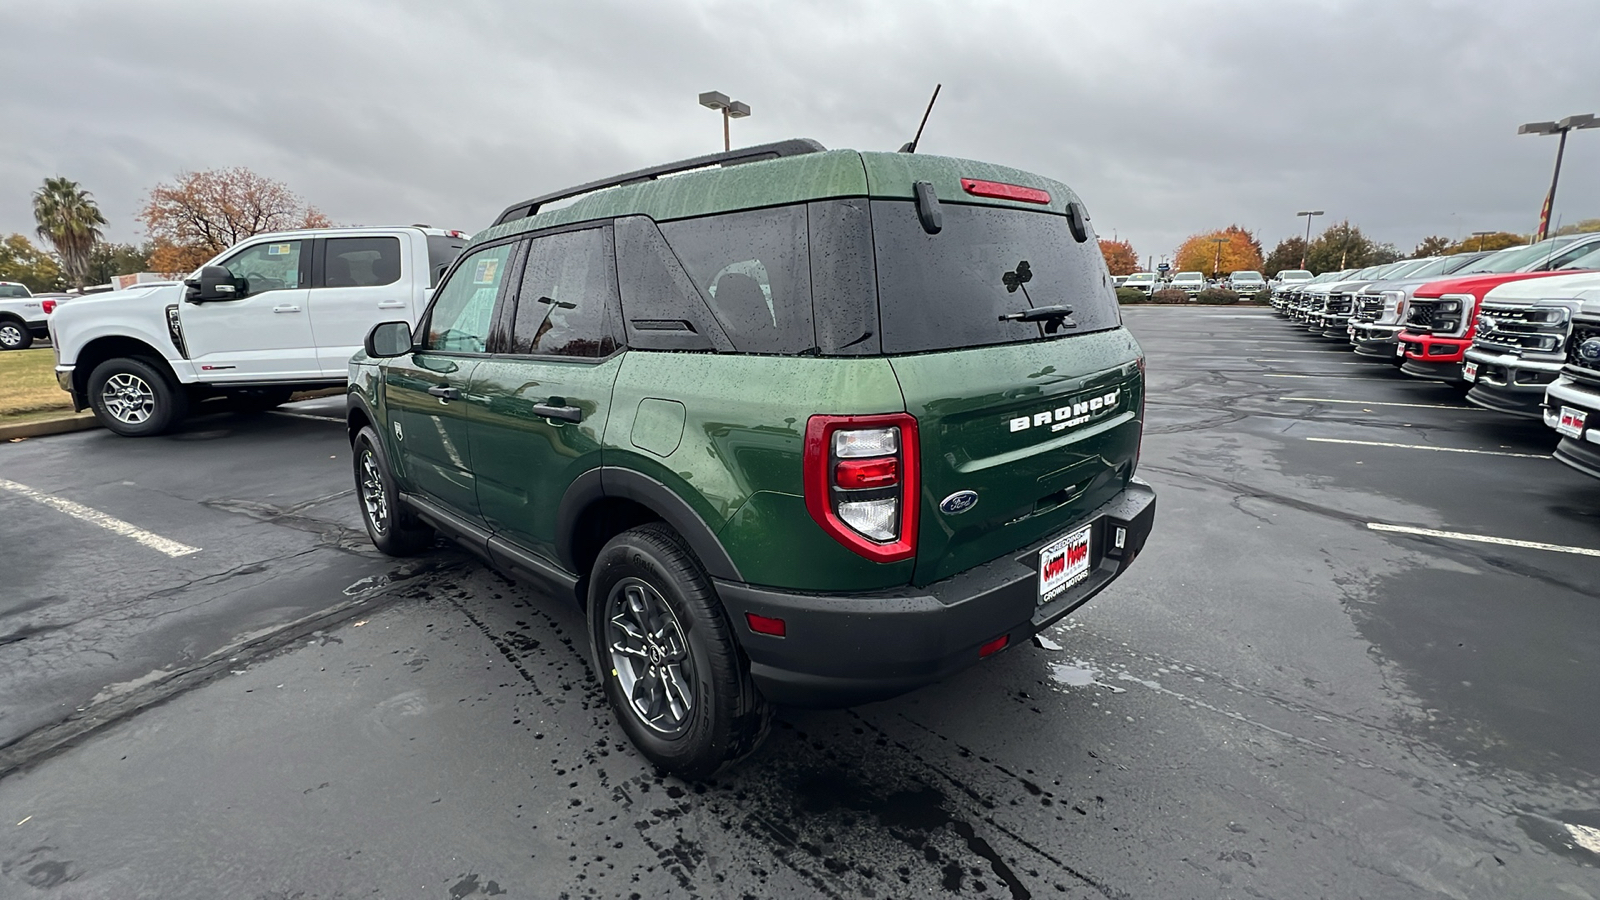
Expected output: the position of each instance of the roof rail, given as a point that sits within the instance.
(792, 147)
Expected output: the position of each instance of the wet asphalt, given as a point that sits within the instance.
(1277, 700)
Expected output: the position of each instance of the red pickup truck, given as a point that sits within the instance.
(1441, 320)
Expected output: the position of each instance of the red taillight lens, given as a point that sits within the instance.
(861, 481)
(1003, 191)
(867, 473)
(766, 625)
(49, 306)
(994, 646)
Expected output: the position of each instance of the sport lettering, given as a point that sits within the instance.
(1076, 413)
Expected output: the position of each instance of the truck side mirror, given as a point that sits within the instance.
(388, 339)
(214, 283)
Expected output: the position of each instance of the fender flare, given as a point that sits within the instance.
(611, 481)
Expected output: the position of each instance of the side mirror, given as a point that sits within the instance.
(214, 283)
(388, 339)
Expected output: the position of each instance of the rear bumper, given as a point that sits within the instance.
(841, 650)
(1583, 452)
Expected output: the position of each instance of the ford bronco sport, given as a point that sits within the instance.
(792, 426)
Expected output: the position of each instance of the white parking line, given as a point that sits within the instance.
(1481, 539)
(96, 517)
(1385, 403)
(1352, 378)
(1426, 447)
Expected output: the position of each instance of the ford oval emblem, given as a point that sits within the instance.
(1589, 351)
(958, 503)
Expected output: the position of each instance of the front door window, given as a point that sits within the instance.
(273, 266)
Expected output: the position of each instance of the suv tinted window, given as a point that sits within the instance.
(754, 270)
(569, 288)
(361, 262)
(661, 307)
(948, 290)
(442, 251)
(464, 307)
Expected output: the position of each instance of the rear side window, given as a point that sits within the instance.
(948, 290)
(361, 262)
(442, 251)
(463, 309)
(754, 271)
(569, 290)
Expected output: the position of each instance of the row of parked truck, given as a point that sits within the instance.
(1517, 330)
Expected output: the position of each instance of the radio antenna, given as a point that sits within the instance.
(912, 147)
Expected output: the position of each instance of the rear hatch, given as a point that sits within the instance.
(1042, 424)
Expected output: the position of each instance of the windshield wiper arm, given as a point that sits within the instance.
(1053, 317)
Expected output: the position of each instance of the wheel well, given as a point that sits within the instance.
(599, 522)
(99, 350)
(11, 317)
(356, 421)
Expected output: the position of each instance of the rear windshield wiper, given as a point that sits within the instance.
(1053, 317)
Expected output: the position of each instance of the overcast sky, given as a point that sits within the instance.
(1166, 117)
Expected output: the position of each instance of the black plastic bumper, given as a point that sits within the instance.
(1525, 402)
(841, 650)
(1580, 454)
(1443, 371)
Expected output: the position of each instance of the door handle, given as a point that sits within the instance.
(562, 413)
(285, 309)
(399, 304)
(445, 392)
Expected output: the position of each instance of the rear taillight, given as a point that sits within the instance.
(861, 482)
(1138, 449)
(49, 306)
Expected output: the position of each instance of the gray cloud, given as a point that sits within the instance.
(1166, 117)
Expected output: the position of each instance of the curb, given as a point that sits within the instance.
(78, 422)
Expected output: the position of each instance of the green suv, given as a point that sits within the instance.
(791, 425)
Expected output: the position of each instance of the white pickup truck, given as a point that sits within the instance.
(23, 315)
(275, 314)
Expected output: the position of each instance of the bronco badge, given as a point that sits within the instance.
(1070, 415)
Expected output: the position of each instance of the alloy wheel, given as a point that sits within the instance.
(10, 336)
(650, 656)
(128, 398)
(374, 499)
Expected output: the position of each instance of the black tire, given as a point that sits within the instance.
(726, 718)
(14, 335)
(135, 397)
(394, 530)
(257, 400)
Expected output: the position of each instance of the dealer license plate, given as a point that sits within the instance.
(1571, 425)
(1400, 349)
(1064, 563)
(1469, 371)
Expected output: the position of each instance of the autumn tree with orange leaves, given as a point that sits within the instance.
(204, 213)
(1120, 258)
(1241, 252)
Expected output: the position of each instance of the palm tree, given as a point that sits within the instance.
(69, 219)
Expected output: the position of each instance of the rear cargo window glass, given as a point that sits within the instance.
(464, 307)
(754, 270)
(948, 290)
(568, 291)
(361, 262)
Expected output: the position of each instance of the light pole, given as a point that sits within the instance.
(1480, 235)
(1216, 264)
(1306, 247)
(731, 109)
(1570, 123)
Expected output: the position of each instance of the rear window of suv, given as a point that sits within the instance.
(948, 290)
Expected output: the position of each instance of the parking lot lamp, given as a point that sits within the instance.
(1480, 235)
(731, 109)
(1216, 264)
(1570, 123)
(1308, 213)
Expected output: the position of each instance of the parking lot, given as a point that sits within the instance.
(1358, 658)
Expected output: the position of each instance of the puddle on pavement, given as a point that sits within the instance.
(1574, 835)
